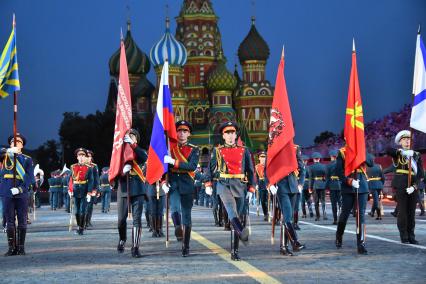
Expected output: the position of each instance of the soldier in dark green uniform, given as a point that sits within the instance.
(376, 179)
(183, 163)
(406, 188)
(354, 190)
(55, 185)
(306, 192)
(65, 180)
(92, 194)
(132, 180)
(317, 184)
(333, 184)
(105, 190)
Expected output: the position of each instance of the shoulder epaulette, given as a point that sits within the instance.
(26, 156)
(192, 145)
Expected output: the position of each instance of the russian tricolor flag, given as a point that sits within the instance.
(163, 132)
(418, 112)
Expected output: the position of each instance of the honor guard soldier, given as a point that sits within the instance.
(354, 190)
(92, 193)
(376, 180)
(317, 184)
(232, 166)
(65, 175)
(286, 190)
(183, 163)
(306, 193)
(333, 184)
(16, 176)
(105, 189)
(81, 181)
(55, 185)
(39, 179)
(131, 185)
(261, 185)
(406, 187)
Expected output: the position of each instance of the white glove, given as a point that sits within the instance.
(12, 150)
(209, 190)
(249, 196)
(126, 168)
(88, 197)
(165, 188)
(273, 189)
(410, 190)
(355, 183)
(407, 153)
(169, 160)
(14, 190)
(70, 193)
(300, 188)
(257, 187)
(127, 139)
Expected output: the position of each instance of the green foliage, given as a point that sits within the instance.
(323, 137)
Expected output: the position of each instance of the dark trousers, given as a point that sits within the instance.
(136, 204)
(37, 199)
(182, 204)
(336, 201)
(319, 196)
(106, 200)
(375, 193)
(263, 200)
(157, 205)
(306, 199)
(234, 205)
(348, 202)
(406, 207)
(296, 203)
(15, 207)
(286, 201)
(80, 205)
(202, 197)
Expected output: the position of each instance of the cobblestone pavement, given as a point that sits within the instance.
(55, 255)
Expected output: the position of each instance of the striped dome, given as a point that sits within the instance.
(168, 48)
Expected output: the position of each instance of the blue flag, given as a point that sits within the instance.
(9, 77)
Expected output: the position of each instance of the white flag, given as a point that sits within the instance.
(418, 112)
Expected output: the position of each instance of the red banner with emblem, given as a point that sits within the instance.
(281, 156)
(121, 152)
(354, 123)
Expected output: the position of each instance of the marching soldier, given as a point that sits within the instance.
(81, 182)
(131, 186)
(354, 190)
(261, 185)
(183, 163)
(333, 184)
(105, 189)
(39, 179)
(376, 179)
(306, 193)
(317, 183)
(66, 173)
(55, 185)
(92, 193)
(16, 176)
(232, 166)
(406, 187)
(286, 190)
(297, 200)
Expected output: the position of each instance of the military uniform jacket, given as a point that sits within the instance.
(290, 183)
(318, 176)
(182, 173)
(95, 173)
(360, 174)
(400, 179)
(23, 181)
(233, 169)
(81, 180)
(307, 176)
(104, 186)
(376, 179)
(136, 183)
(65, 180)
(332, 179)
(55, 184)
(260, 175)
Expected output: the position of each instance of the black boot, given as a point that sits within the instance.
(395, 213)
(234, 246)
(77, 220)
(296, 221)
(371, 213)
(284, 250)
(186, 238)
(379, 215)
(216, 219)
(227, 223)
(160, 233)
(153, 227)
(242, 232)
(361, 240)
(317, 213)
(122, 235)
(136, 237)
(82, 224)
(220, 217)
(149, 222)
(339, 234)
(11, 240)
(291, 233)
(21, 241)
(178, 226)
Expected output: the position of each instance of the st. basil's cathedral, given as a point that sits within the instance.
(204, 91)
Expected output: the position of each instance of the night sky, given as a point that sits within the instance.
(64, 48)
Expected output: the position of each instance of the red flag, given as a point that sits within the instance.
(281, 156)
(123, 121)
(354, 123)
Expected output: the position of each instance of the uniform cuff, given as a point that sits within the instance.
(176, 164)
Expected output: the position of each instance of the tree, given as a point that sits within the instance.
(48, 156)
(323, 137)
